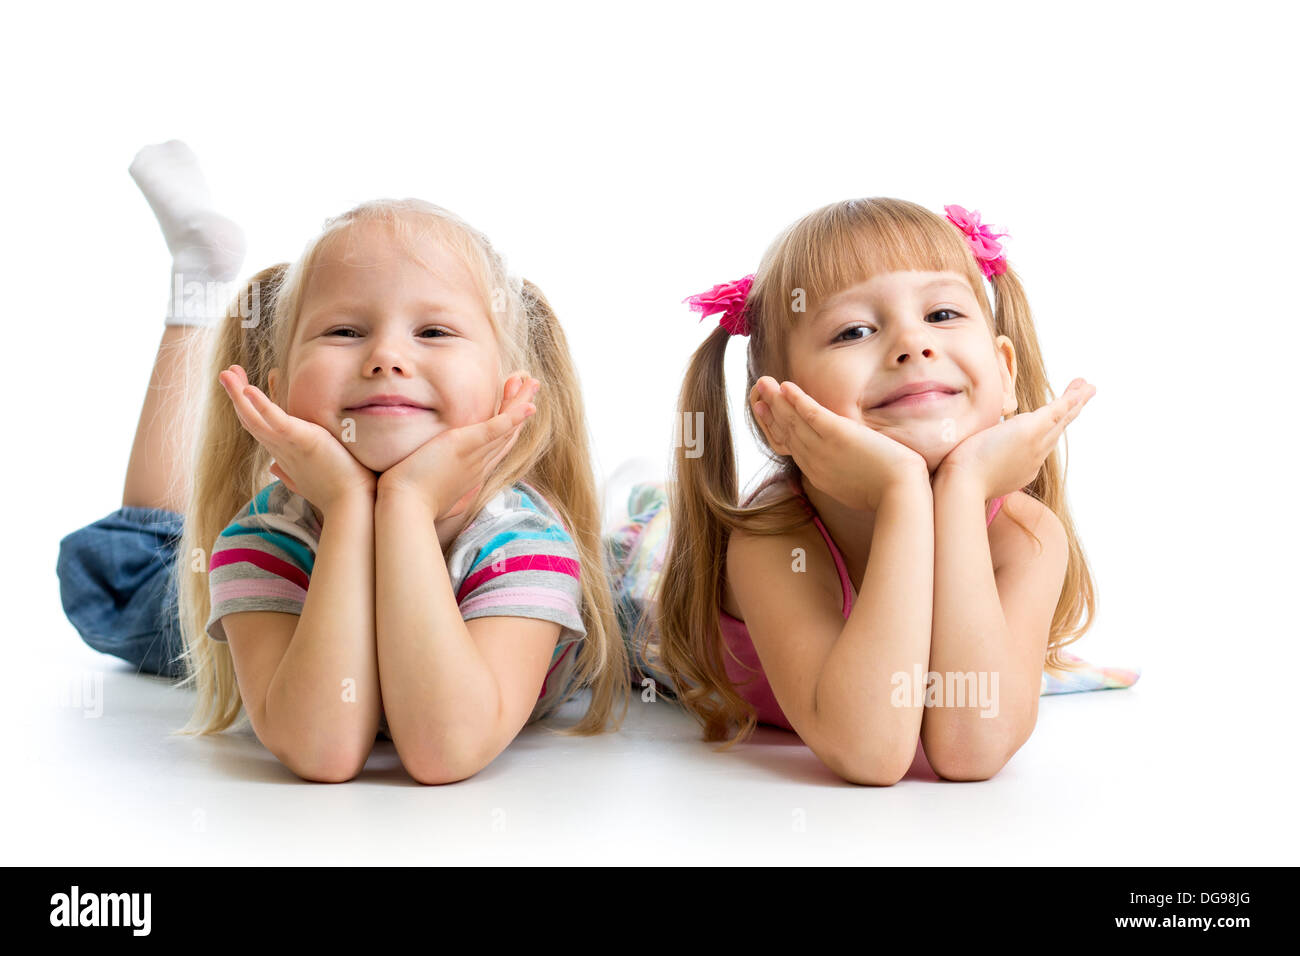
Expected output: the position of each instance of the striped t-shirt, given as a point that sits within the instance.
(514, 559)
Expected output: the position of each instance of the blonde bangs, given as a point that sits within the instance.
(847, 243)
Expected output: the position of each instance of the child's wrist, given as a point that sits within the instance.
(390, 493)
(946, 476)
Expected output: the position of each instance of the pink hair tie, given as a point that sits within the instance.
(727, 298)
(983, 241)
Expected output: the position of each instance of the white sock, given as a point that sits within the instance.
(207, 248)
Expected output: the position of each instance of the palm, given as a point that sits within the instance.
(1008, 456)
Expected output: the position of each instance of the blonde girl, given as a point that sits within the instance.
(384, 533)
(911, 541)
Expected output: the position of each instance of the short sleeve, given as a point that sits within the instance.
(523, 563)
(263, 559)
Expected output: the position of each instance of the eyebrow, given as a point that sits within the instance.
(352, 306)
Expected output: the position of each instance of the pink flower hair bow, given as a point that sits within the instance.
(727, 298)
(983, 241)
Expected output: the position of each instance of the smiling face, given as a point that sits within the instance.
(375, 322)
(897, 329)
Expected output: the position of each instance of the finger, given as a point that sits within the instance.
(511, 389)
(780, 410)
(524, 392)
(1073, 411)
(500, 439)
(477, 442)
(491, 464)
(810, 414)
(1076, 391)
(799, 448)
(763, 415)
(247, 413)
(276, 418)
(761, 387)
(772, 429)
(1061, 417)
(1075, 397)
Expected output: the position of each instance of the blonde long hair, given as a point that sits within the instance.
(828, 250)
(552, 452)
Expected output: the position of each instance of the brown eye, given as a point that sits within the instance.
(855, 338)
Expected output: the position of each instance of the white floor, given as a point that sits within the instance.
(1120, 777)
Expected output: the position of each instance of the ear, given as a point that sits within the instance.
(1007, 368)
(273, 386)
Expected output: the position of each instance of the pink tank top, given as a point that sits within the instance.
(745, 671)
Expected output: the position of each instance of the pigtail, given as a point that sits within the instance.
(702, 502)
(553, 454)
(701, 489)
(229, 468)
(1078, 593)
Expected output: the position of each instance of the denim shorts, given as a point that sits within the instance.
(117, 587)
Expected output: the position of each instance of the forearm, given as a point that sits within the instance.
(971, 648)
(309, 709)
(440, 696)
(887, 633)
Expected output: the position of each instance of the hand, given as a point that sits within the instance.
(323, 470)
(447, 471)
(850, 461)
(1007, 456)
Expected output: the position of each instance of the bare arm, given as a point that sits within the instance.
(832, 677)
(990, 632)
(292, 670)
(456, 692)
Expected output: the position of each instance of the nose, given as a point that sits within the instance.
(387, 354)
(915, 339)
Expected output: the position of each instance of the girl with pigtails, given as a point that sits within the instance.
(913, 527)
(360, 431)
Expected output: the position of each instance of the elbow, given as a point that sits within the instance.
(968, 761)
(873, 768)
(966, 752)
(432, 773)
(968, 768)
(327, 764)
(435, 767)
(334, 769)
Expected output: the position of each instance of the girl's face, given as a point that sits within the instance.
(377, 324)
(897, 329)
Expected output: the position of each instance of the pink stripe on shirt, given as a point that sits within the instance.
(267, 562)
(527, 596)
(224, 591)
(520, 562)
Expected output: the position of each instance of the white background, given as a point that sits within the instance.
(1140, 154)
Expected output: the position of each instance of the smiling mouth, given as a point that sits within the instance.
(388, 409)
(918, 399)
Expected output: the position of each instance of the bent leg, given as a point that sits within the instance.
(117, 587)
(158, 471)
